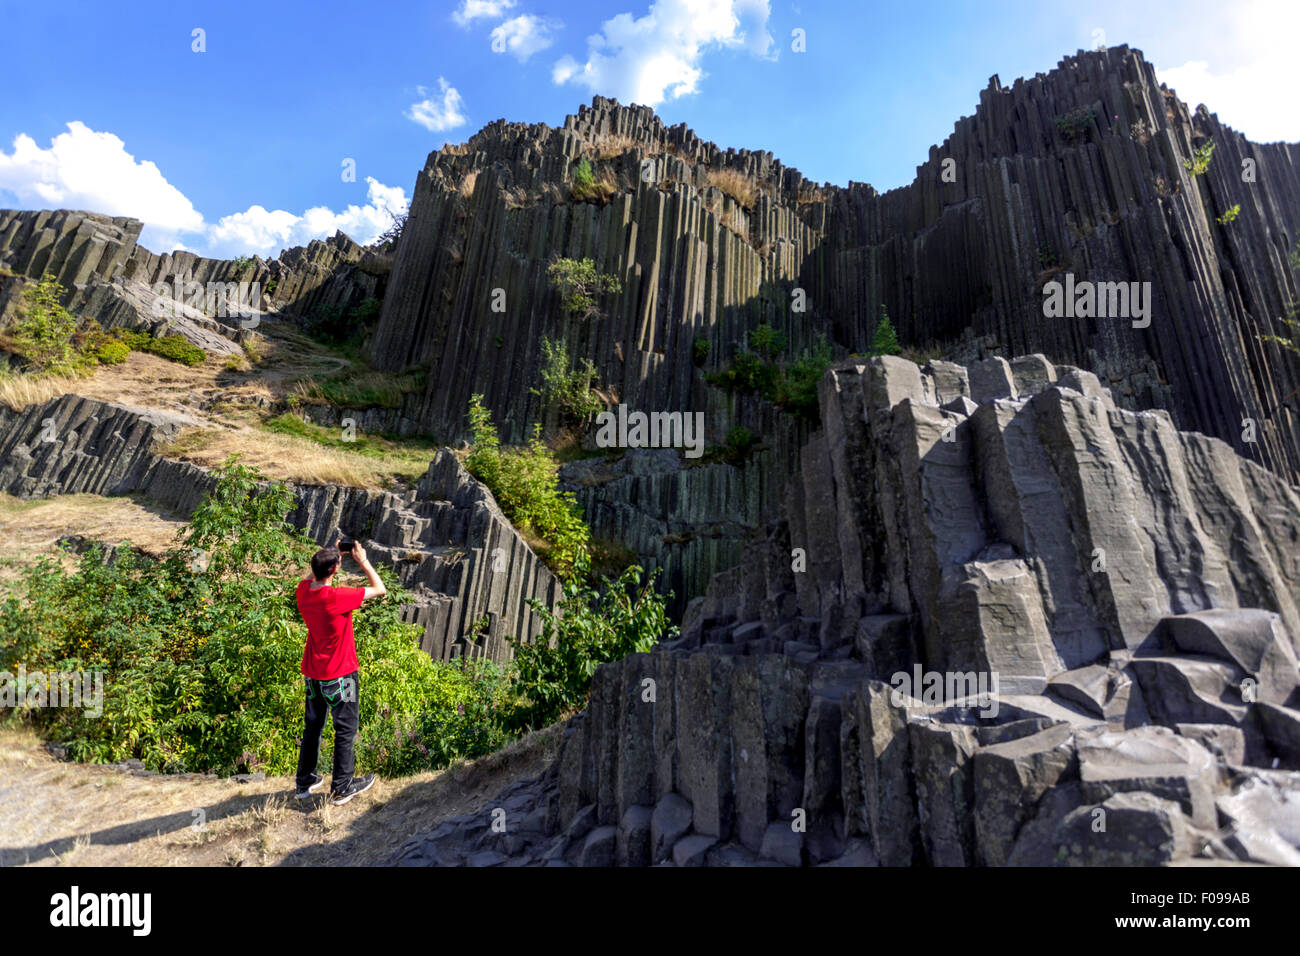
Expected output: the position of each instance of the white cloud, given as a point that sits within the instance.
(649, 59)
(1251, 71)
(266, 232)
(522, 37)
(471, 10)
(84, 169)
(437, 115)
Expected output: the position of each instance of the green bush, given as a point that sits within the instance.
(796, 389)
(343, 328)
(525, 485)
(791, 386)
(46, 333)
(1200, 161)
(579, 285)
(176, 348)
(113, 352)
(767, 341)
(564, 388)
(1074, 124)
(700, 350)
(201, 648)
(589, 627)
(583, 177)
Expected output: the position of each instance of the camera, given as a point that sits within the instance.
(346, 546)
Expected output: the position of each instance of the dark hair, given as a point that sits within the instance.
(324, 561)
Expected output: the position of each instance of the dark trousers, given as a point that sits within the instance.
(338, 698)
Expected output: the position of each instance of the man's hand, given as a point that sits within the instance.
(376, 588)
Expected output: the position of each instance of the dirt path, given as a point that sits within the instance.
(57, 813)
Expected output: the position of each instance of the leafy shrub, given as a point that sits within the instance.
(589, 627)
(740, 443)
(343, 328)
(201, 647)
(525, 485)
(1074, 124)
(112, 352)
(46, 332)
(467, 719)
(1229, 215)
(700, 350)
(565, 388)
(767, 341)
(176, 348)
(578, 284)
(791, 386)
(1200, 161)
(240, 267)
(796, 390)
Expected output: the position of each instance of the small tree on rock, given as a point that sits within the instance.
(579, 284)
(885, 340)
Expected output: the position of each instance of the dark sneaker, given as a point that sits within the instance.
(304, 792)
(355, 785)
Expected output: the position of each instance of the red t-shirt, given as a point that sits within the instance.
(331, 649)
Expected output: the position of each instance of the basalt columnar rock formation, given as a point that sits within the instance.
(1000, 621)
(1079, 171)
(469, 571)
(112, 279)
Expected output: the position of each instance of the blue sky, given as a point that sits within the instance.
(240, 148)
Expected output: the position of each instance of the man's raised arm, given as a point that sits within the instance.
(376, 588)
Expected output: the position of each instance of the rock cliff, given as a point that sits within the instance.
(1080, 171)
(996, 610)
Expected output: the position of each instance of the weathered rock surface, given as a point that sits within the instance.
(1064, 634)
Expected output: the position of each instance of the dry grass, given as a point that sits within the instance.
(18, 391)
(30, 527)
(609, 145)
(736, 185)
(466, 188)
(284, 457)
(61, 813)
(808, 194)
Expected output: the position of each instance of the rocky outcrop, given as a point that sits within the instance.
(469, 571)
(116, 282)
(1079, 171)
(1032, 629)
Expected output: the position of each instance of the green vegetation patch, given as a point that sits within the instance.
(175, 348)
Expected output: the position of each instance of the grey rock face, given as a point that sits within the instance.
(1039, 550)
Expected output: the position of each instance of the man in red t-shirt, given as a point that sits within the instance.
(330, 671)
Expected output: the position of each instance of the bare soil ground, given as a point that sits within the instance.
(55, 813)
